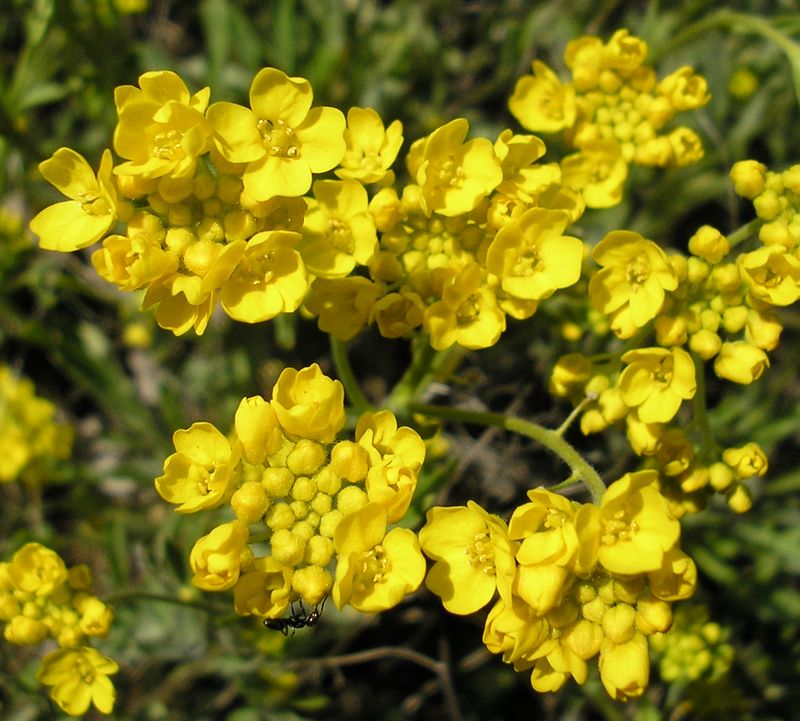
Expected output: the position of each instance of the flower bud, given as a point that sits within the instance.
(748, 178)
(250, 502)
(740, 362)
(709, 243)
(312, 583)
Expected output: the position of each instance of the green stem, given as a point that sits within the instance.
(744, 233)
(345, 372)
(427, 365)
(551, 440)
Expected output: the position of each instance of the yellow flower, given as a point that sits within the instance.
(532, 257)
(263, 591)
(133, 261)
(468, 313)
(375, 570)
(541, 103)
(282, 138)
(79, 678)
(598, 171)
(625, 667)
(473, 555)
(395, 457)
(630, 287)
(546, 529)
(338, 230)
(517, 632)
(771, 274)
(258, 429)
(37, 570)
(215, 558)
(371, 148)
(309, 404)
(747, 461)
(269, 279)
(455, 176)
(656, 381)
(91, 210)
(161, 129)
(343, 304)
(637, 528)
(740, 362)
(203, 470)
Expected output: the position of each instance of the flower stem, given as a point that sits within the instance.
(552, 440)
(345, 372)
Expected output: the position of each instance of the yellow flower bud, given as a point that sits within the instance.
(709, 243)
(583, 639)
(734, 318)
(304, 489)
(720, 476)
(319, 551)
(250, 502)
(309, 404)
(312, 584)
(257, 428)
(740, 362)
(350, 461)
(670, 331)
(747, 461)
(748, 178)
(287, 547)
(625, 667)
(739, 498)
(300, 509)
(329, 522)
(705, 343)
(280, 516)
(306, 457)
(619, 623)
(24, 631)
(215, 557)
(726, 276)
(328, 481)
(653, 615)
(763, 329)
(694, 479)
(277, 482)
(303, 529)
(350, 499)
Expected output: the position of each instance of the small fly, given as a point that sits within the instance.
(296, 620)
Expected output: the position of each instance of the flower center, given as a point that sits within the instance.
(637, 272)
(340, 236)
(167, 146)
(618, 528)
(480, 554)
(279, 139)
(372, 569)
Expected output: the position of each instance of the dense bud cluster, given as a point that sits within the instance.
(322, 507)
(40, 599)
(31, 440)
(574, 581)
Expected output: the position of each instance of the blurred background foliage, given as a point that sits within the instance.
(126, 385)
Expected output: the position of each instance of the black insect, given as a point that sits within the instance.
(296, 620)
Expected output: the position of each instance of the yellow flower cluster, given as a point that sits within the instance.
(31, 440)
(694, 649)
(321, 508)
(614, 112)
(705, 307)
(222, 205)
(573, 581)
(41, 598)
